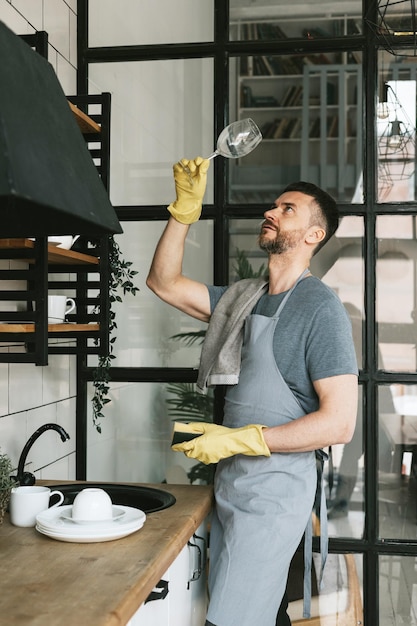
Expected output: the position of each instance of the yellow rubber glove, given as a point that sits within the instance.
(219, 442)
(190, 186)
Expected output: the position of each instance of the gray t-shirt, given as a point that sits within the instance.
(313, 337)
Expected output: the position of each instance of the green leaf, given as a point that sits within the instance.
(244, 269)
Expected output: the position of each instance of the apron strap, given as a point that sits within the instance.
(308, 557)
(321, 456)
(287, 295)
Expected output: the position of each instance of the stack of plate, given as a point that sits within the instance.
(57, 523)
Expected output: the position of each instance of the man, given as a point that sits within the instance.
(285, 349)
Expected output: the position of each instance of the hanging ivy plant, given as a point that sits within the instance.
(121, 276)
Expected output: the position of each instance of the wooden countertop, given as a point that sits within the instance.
(48, 582)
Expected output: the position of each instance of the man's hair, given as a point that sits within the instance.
(327, 215)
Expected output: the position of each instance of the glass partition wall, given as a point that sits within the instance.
(336, 106)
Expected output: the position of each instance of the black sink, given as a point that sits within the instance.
(147, 499)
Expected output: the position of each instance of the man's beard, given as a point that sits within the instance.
(281, 243)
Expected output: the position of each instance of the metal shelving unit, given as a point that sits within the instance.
(80, 274)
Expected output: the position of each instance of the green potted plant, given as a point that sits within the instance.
(7, 482)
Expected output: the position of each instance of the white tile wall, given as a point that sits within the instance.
(30, 10)
(67, 75)
(31, 396)
(4, 389)
(14, 19)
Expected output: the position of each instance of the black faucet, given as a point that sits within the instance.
(26, 478)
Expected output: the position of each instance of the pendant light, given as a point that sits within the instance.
(396, 140)
(394, 22)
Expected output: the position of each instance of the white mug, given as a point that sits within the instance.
(92, 505)
(27, 502)
(58, 308)
(66, 242)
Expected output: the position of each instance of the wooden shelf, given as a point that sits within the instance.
(55, 255)
(85, 123)
(37, 335)
(46, 268)
(67, 328)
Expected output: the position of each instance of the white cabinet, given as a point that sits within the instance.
(153, 613)
(183, 589)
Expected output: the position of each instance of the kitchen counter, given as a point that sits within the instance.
(54, 583)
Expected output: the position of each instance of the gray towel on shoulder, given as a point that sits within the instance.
(221, 351)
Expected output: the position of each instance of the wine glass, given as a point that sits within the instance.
(236, 140)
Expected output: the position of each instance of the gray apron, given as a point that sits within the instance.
(263, 505)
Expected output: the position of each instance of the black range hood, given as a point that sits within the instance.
(49, 184)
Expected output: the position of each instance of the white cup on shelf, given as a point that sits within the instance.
(58, 308)
(63, 241)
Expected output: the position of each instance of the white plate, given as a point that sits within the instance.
(90, 531)
(57, 520)
(116, 534)
(117, 514)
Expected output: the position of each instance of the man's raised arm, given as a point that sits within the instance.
(165, 276)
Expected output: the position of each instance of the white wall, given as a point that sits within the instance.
(31, 396)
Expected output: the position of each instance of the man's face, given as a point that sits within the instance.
(286, 222)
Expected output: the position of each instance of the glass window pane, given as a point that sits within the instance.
(397, 474)
(135, 443)
(145, 324)
(340, 599)
(395, 292)
(395, 127)
(273, 20)
(309, 110)
(340, 265)
(150, 130)
(246, 260)
(397, 590)
(131, 22)
(346, 499)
